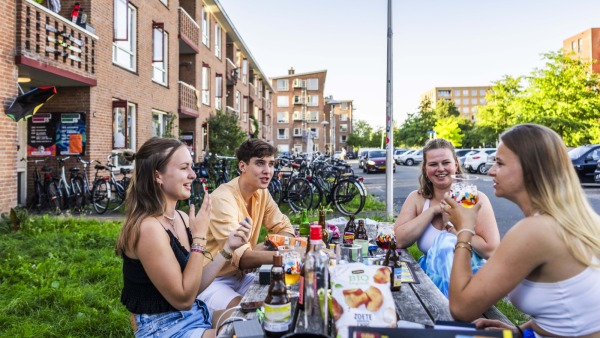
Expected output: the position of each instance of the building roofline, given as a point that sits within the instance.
(299, 74)
(451, 87)
(218, 11)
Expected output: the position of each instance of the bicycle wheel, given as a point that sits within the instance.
(77, 184)
(300, 194)
(65, 194)
(54, 198)
(197, 194)
(317, 195)
(117, 196)
(100, 193)
(39, 196)
(275, 191)
(348, 197)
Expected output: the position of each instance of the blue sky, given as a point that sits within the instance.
(436, 42)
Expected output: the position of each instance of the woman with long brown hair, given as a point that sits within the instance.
(421, 218)
(548, 262)
(162, 256)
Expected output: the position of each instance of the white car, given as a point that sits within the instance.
(399, 152)
(476, 159)
(491, 160)
(337, 155)
(411, 157)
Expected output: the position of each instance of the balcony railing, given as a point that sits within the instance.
(231, 111)
(232, 73)
(189, 33)
(62, 50)
(299, 100)
(252, 93)
(189, 99)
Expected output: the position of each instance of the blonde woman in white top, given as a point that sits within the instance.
(548, 262)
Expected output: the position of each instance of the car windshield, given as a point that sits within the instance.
(373, 154)
(577, 152)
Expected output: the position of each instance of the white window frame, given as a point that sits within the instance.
(206, 86)
(343, 128)
(313, 101)
(297, 131)
(118, 45)
(457, 102)
(298, 147)
(473, 92)
(245, 70)
(162, 67)
(465, 101)
(280, 101)
(315, 147)
(245, 117)
(238, 103)
(309, 83)
(344, 106)
(218, 91)
(297, 115)
(316, 131)
(465, 110)
(286, 134)
(344, 117)
(283, 147)
(205, 27)
(343, 138)
(162, 119)
(310, 116)
(285, 87)
(465, 92)
(474, 110)
(287, 117)
(132, 115)
(481, 92)
(218, 40)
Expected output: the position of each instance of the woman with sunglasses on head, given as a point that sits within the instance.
(548, 263)
(163, 249)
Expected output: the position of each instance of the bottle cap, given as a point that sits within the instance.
(315, 233)
(361, 221)
(277, 260)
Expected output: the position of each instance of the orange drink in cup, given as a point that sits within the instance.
(464, 190)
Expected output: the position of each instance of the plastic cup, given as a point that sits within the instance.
(364, 244)
(464, 190)
(351, 253)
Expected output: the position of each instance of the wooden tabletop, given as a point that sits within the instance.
(419, 302)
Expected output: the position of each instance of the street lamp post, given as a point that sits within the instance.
(389, 178)
(333, 102)
(324, 123)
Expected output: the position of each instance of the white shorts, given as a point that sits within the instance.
(224, 289)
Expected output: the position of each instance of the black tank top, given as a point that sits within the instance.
(139, 295)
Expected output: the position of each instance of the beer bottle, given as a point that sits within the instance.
(278, 308)
(361, 231)
(392, 260)
(349, 231)
(324, 232)
(302, 274)
(304, 225)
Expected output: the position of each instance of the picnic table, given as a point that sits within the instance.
(419, 302)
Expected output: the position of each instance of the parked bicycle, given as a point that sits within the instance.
(111, 194)
(292, 189)
(45, 193)
(71, 190)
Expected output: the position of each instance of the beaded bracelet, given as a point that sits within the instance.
(464, 246)
(200, 248)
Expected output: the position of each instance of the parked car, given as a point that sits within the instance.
(410, 158)
(362, 152)
(400, 159)
(351, 155)
(475, 160)
(337, 155)
(398, 152)
(461, 154)
(585, 160)
(375, 161)
(491, 160)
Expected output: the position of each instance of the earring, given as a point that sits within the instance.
(428, 181)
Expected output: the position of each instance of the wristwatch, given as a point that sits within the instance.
(225, 254)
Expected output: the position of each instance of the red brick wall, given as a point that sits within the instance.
(590, 46)
(8, 92)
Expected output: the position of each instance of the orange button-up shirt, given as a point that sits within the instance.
(229, 208)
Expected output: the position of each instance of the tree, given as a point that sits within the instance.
(360, 137)
(445, 109)
(224, 133)
(413, 131)
(448, 129)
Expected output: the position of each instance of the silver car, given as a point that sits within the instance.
(461, 154)
(410, 159)
(491, 160)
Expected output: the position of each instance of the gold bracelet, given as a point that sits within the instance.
(463, 246)
(203, 238)
(464, 242)
(225, 254)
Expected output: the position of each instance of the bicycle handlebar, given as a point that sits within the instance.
(226, 157)
(62, 159)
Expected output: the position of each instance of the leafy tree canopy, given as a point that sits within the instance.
(224, 134)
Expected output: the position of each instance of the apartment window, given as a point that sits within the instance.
(473, 100)
(579, 45)
(282, 117)
(124, 40)
(218, 40)
(297, 131)
(344, 117)
(245, 118)
(205, 27)
(238, 103)
(343, 128)
(312, 84)
(447, 100)
(474, 110)
(245, 70)
(465, 101)
(573, 47)
(282, 134)
(160, 69)
(313, 100)
(482, 100)
(315, 147)
(343, 138)
(283, 148)
(315, 132)
(297, 116)
(283, 85)
(218, 91)
(313, 116)
(344, 106)
(465, 92)
(283, 101)
(481, 92)
(205, 84)
(245, 103)
(298, 147)
(159, 120)
(473, 92)
(457, 102)
(457, 93)
(466, 110)
(123, 130)
(443, 93)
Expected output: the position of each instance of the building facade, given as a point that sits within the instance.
(342, 124)
(585, 45)
(466, 99)
(143, 69)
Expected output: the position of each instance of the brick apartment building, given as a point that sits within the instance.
(343, 124)
(300, 106)
(466, 99)
(144, 62)
(585, 45)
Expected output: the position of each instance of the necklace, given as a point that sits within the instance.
(172, 222)
(169, 218)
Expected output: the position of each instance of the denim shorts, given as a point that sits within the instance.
(177, 324)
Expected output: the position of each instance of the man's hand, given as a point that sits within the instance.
(493, 325)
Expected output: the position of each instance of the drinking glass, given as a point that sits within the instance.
(292, 264)
(464, 190)
(385, 234)
(350, 253)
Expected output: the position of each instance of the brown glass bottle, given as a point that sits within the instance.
(392, 260)
(301, 291)
(324, 232)
(361, 231)
(278, 308)
(348, 235)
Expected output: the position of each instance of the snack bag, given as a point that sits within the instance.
(272, 242)
(361, 296)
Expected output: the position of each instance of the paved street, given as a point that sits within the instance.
(406, 180)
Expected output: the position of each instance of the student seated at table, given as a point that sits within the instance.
(421, 218)
(164, 263)
(547, 263)
(244, 200)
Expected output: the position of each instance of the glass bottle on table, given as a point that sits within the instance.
(349, 231)
(324, 232)
(278, 308)
(316, 284)
(392, 260)
(302, 274)
(304, 225)
(361, 231)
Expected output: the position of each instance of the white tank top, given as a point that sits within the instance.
(425, 242)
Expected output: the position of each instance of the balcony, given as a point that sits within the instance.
(189, 100)
(231, 111)
(299, 83)
(253, 95)
(299, 100)
(46, 61)
(189, 33)
(232, 73)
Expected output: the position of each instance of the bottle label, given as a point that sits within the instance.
(278, 317)
(349, 237)
(397, 276)
(301, 292)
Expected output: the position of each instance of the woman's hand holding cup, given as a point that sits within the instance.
(460, 217)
